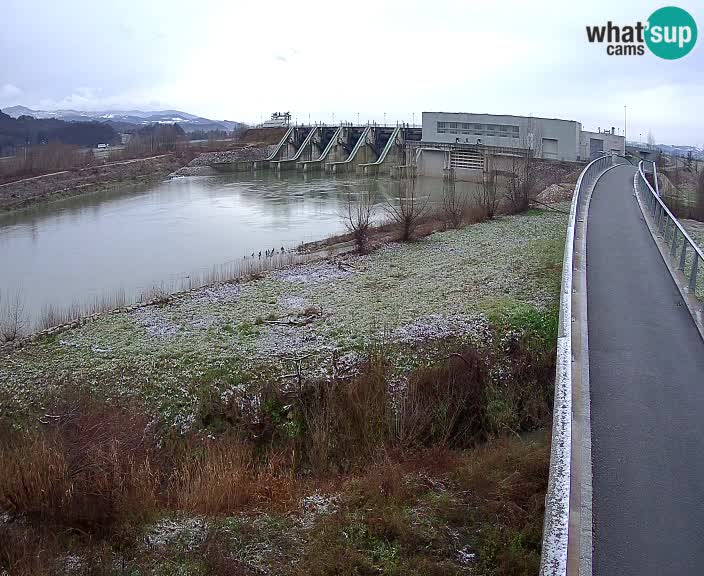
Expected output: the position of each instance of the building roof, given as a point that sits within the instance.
(503, 115)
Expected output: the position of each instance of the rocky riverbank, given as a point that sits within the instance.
(203, 164)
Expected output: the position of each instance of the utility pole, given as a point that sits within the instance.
(384, 118)
(624, 124)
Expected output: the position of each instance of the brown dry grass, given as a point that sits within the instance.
(506, 481)
(443, 403)
(89, 467)
(97, 471)
(225, 476)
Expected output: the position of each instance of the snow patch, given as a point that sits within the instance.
(438, 327)
(187, 532)
(312, 273)
(154, 322)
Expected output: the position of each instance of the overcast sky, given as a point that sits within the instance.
(236, 60)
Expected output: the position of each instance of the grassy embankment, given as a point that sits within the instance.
(119, 175)
(380, 414)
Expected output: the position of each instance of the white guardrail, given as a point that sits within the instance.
(557, 500)
(690, 257)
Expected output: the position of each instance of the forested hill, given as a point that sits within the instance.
(26, 130)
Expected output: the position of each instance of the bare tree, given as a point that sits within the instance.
(486, 191)
(454, 204)
(522, 169)
(357, 216)
(12, 319)
(408, 209)
(521, 180)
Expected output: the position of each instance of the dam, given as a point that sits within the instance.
(369, 149)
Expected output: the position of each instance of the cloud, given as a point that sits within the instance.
(91, 99)
(9, 92)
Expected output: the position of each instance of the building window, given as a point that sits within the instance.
(479, 130)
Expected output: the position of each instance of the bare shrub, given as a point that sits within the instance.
(408, 209)
(454, 204)
(357, 217)
(486, 191)
(12, 319)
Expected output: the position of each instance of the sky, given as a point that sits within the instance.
(332, 61)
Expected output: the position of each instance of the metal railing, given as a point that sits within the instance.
(283, 140)
(553, 561)
(653, 169)
(684, 252)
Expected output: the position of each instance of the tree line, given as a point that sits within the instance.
(27, 131)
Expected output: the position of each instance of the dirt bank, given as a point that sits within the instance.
(29, 191)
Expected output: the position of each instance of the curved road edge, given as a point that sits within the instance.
(567, 524)
(693, 305)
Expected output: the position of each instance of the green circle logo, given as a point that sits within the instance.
(670, 33)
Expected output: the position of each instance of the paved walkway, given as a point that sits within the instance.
(646, 362)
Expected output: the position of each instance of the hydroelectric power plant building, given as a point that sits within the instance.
(459, 143)
(449, 145)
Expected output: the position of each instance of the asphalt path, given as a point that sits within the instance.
(646, 363)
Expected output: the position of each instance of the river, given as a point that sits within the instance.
(84, 249)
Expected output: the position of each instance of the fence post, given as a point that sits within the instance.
(673, 250)
(683, 256)
(693, 277)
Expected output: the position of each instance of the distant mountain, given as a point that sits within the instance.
(119, 119)
(28, 131)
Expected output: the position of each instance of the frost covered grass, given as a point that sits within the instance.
(226, 337)
(372, 414)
